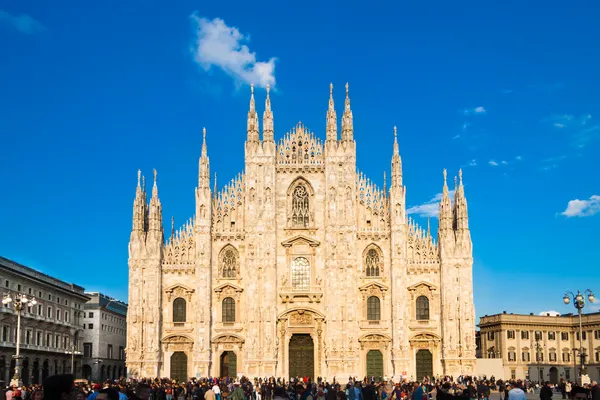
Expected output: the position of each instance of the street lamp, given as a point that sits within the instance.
(579, 303)
(538, 353)
(73, 352)
(19, 302)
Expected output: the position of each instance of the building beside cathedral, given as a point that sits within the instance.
(300, 266)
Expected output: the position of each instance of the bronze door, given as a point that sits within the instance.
(301, 356)
(228, 364)
(375, 365)
(424, 364)
(179, 366)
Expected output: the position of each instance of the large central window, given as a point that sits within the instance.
(300, 274)
(300, 209)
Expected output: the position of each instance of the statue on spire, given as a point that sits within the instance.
(347, 120)
(252, 127)
(268, 128)
(331, 128)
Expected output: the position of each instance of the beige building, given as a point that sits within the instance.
(300, 266)
(546, 347)
(104, 338)
(50, 330)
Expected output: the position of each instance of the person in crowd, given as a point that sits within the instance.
(60, 387)
(546, 392)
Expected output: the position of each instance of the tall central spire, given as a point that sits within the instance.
(268, 129)
(155, 214)
(331, 118)
(252, 118)
(347, 123)
(445, 217)
(396, 163)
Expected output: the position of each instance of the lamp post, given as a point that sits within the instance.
(579, 303)
(538, 354)
(73, 352)
(19, 301)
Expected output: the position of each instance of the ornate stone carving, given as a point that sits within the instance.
(301, 318)
(179, 291)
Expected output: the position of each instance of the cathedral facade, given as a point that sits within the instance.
(300, 266)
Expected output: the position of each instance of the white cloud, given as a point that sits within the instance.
(519, 158)
(559, 125)
(455, 137)
(503, 162)
(551, 313)
(582, 208)
(493, 163)
(430, 208)
(23, 23)
(221, 46)
(473, 163)
(477, 110)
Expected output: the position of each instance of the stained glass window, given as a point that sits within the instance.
(300, 209)
(372, 263)
(229, 263)
(300, 273)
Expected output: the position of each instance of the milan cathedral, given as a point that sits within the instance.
(300, 266)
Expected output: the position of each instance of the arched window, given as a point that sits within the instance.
(300, 208)
(422, 308)
(373, 308)
(300, 273)
(372, 263)
(229, 262)
(179, 310)
(228, 310)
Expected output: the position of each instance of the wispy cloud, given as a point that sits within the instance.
(519, 158)
(475, 111)
(23, 23)
(222, 46)
(580, 129)
(493, 163)
(582, 208)
(430, 208)
(473, 163)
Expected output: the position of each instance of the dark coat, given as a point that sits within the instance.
(546, 393)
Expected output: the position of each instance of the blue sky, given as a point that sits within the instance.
(92, 91)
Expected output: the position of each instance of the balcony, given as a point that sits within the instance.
(312, 294)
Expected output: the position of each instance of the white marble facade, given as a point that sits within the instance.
(300, 265)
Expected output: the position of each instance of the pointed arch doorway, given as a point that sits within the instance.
(228, 364)
(301, 356)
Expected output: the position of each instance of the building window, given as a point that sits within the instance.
(584, 335)
(525, 335)
(57, 342)
(513, 374)
(300, 207)
(121, 353)
(228, 309)
(27, 337)
(567, 373)
(564, 336)
(373, 308)
(551, 335)
(539, 356)
(18, 287)
(566, 356)
(179, 310)
(109, 352)
(49, 313)
(48, 341)
(90, 326)
(372, 263)
(38, 339)
(229, 262)
(597, 334)
(66, 316)
(490, 335)
(30, 290)
(422, 308)
(552, 356)
(91, 314)
(538, 335)
(5, 335)
(58, 315)
(87, 350)
(40, 310)
(510, 334)
(525, 356)
(300, 273)
(6, 284)
(512, 355)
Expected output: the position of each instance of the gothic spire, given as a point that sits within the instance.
(460, 205)
(331, 118)
(347, 124)
(204, 167)
(268, 129)
(155, 213)
(139, 206)
(252, 118)
(445, 218)
(396, 163)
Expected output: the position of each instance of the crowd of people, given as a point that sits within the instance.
(64, 387)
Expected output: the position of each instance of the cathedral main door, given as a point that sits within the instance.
(179, 366)
(228, 364)
(301, 356)
(424, 364)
